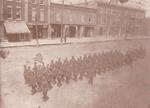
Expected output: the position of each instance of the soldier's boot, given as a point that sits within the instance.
(45, 97)
(33, 89)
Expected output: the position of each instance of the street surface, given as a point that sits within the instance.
(128, 87)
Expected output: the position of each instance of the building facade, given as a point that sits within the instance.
(14, 20)
(114, 20)
(1, 21)
(37, 12)
(50, 20)
(75, 21)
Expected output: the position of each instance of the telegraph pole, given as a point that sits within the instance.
(36, 29)
(62, 21)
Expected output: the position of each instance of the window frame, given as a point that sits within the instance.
(11, 13)
(18, 7)
(41, 3)
(33, 10)
(42, 12)
(33, 2)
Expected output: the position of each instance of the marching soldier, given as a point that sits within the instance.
(45, 86)
(26, 74)
(60, 75)
(32, 80)
(72, 68)
(80, 68)
(67, 73)
(53, 70)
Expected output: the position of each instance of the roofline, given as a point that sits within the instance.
(74, 6)
(119, 6)
(116, 6)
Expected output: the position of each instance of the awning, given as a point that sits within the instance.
(16, 28)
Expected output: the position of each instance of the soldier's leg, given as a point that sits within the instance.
(67, 79)
(90, 81)
(75, 77)
(81, 76)
(33, 89)
(45, 97)
(59, 84)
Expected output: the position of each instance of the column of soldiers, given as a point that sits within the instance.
(42, 78)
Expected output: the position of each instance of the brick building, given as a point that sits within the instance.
(76, 21)
(117, 20)
(14, 20)
(38, 18)
(1, 20)
(49, 20)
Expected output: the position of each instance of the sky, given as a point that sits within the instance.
(143, 4)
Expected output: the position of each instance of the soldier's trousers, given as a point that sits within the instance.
(34, 89)
(90, 80)
(45, 97)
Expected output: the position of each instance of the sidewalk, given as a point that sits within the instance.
(69, 41)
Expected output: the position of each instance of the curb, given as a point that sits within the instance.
(53, 44)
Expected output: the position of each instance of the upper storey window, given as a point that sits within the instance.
(41, 2)
(33, 1)
(9, 12)
(18, 0)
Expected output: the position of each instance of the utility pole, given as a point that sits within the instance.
(1, 19)
(62, 22)
(36, 28)
(49, 19)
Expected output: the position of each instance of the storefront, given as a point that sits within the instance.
(1, 31)
(55, 30)
(40, 30)
(17, 31)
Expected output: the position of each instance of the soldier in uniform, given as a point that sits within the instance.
(48, 76)
(67, 73)
(60, 76)
(72, 68)
(85, 65)
(26, 74)
(45, 86)
(96, 63)
(128, 58)
(91, 73)
(81, 68)
(32, 80)
(52, 69)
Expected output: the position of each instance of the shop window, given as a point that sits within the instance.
(18, 13)
(9, 12)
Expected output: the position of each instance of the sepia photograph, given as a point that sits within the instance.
(74, 53)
